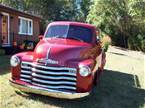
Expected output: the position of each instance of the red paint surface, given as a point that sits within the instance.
(67, 52)
(15, 72)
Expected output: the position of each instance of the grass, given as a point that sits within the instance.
(121, 86)
(4, 64)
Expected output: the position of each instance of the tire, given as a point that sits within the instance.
(97, 77)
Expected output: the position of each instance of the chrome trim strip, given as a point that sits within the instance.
(53, 82)
(53, 73)
(45, 67)
(24, 71)
(25, 80)
(25, 76)
(54, 87)
(43, 76)
(35, 70)
(51, 77)
(48, 92)
(24, 62)
(26, 67)
(48, 51)
(48, 72)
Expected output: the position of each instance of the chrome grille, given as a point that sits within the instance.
(60, 78)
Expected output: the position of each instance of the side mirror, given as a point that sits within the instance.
(97, 37)
(40, 37)
(97, 33)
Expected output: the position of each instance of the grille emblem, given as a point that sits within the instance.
(47, 61)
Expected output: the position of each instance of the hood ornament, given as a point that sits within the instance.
(48, 51)
(47, 60)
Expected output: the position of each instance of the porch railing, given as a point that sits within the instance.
(12, 38)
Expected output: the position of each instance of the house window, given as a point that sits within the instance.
(25, 26)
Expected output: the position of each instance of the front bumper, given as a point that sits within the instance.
(47, 92)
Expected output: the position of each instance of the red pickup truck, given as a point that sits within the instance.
(65, 63)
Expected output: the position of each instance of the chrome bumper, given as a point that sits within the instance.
(47, 92)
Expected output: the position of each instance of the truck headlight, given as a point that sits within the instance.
(84, 71)
(15, 61)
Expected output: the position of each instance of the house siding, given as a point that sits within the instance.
(0, 28)
(14, 26)
(15, 31)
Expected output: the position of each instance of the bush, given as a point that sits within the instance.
(2, 51)
(136, 43)
(106, 41)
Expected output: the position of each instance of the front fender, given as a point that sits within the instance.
(25, 56)
(88, 62)
(84, 84)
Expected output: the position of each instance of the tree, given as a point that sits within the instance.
(48, 10)
(119, 19)
(83, 7)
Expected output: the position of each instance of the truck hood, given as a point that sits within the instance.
(60, 51)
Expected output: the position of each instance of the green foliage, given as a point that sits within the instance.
(137, 43)
(84, 7)
(106, 46)
(123, 20)
(53, 10)
(2, 52)
(49, 10)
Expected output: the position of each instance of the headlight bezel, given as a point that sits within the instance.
(14, 61)
(84, 71)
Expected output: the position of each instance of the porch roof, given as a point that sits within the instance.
(12, 10)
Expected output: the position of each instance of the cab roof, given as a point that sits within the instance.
(72, 23)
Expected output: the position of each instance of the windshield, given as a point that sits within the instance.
(70, 31)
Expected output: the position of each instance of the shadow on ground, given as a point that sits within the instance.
(116, 90)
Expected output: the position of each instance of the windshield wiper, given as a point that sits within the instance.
(58, 36)
(75, 38)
